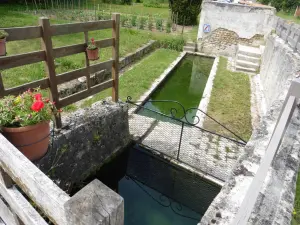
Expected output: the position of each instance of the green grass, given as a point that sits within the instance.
(138, 80)
(230, 102)
(296, 214)
(288, 16)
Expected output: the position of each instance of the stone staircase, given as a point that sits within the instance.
(190, 47)
(248, 59)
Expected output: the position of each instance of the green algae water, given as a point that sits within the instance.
(185, 84)
(154, 191)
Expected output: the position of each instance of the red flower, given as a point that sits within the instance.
(38, 97)
(37, 106)
(92, 39)
(59, 110)
(47, 100)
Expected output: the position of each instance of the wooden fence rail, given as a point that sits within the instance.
(102, 205)
(45, 31)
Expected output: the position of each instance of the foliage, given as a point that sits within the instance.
(168, 26)
(159, 24)
(142, 22)
(187, 10)
(3, 34)
(155, 3)
(26, 109)
(92, 45)
(121, 2)
(296, 213)
(285, 5)
(171, 42)
(124, 20)
(150, 23)
(133, 20)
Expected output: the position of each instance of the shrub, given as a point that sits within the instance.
(174, 43)
(154, 3)
(150, 24)
(133, 20)
(121, 2)
(159, 24)
(188, 10)
(124, 20)
(3, 34)
(168, 27)
(142, 22)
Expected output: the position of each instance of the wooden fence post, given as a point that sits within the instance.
(2, 90)
(87, 61)
(50, 67)
(115, 55)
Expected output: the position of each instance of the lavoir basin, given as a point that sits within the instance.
(185, 84)
(156, 192)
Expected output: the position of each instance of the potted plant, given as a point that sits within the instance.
(92, 50)
(24, 121)
(3, 36)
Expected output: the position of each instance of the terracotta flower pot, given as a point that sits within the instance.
(3, 47)
(93, 54)
(32, 141)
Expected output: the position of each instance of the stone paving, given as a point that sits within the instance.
(205, 152)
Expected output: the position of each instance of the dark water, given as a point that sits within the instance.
(155, 192)
(185, 85)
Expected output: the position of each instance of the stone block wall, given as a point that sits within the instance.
(232, 24)
(280, 64)
(88, 138)
(225, 42)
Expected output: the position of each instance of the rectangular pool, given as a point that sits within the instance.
(185, 84)
(156, 192)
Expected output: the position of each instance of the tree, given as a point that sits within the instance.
(187, 10)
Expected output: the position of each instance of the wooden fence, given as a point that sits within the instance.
(94, 204)
(45, 31)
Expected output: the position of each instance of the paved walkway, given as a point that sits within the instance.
(205, 152)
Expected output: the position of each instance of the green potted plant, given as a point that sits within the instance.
(92, 50)
(3, 36)
(24, 121)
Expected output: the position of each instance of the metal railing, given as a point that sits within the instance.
(254, 189)
(176, 135)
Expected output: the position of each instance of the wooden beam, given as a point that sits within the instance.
(86, 93)
(87, 61)
(2, 90)
(40, 188)
(62, 29)
(7, 62)
(23, 33)
(79, 48)
(115, 53)
(101, 66)
(50, 67)
(42, 83)
(7, 216)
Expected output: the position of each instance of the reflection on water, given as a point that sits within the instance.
(154, 191)
(185, 85)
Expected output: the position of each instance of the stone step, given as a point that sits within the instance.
(191, 44)
(248, 58)
(245, 69)
(189, 49)
(249, 51)
(247, 64)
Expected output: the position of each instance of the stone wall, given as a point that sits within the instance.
(275, 202)
(225, 42)
(245, 21)
(233, 24)
(89, 136)
(279, 65)
(77, 85)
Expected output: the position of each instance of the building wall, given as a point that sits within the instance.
(245, 21)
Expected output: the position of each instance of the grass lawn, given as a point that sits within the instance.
(230, 102)
(288, 16)
(296, 214)
(138, 80)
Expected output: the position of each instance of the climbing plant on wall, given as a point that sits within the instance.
(187, 10)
